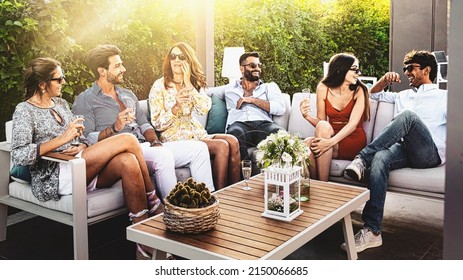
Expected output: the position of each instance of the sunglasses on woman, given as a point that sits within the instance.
(59, 79)
(174, 56)
(356, 70)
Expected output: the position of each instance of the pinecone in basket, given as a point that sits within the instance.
(190, 195)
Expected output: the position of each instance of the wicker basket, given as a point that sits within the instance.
(191, 220)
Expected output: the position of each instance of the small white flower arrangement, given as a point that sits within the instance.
(281, 149)
(276, 203)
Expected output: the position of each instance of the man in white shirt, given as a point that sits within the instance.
(251, 104)
(415, 138)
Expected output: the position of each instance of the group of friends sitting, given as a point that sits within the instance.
(119, 142)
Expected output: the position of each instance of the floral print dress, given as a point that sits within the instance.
(183, 126)
(33, 126)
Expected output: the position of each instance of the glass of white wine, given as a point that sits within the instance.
(75, 141)
(246, 168)
(130, 104)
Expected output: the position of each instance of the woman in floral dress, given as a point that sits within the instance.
(174, 97)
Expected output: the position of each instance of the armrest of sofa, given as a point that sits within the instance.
(79, 184)
(297, 123)
(79, 179)
(283, 120)
(4, 172)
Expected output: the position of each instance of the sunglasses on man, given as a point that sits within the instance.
(253, 65)
(410, 67)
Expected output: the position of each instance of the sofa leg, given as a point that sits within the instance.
(80, 236)
(3, 220)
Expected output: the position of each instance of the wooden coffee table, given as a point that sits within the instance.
(242, 233)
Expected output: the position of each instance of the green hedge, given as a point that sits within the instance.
(293, 37)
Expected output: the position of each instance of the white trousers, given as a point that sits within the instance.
(162, 161)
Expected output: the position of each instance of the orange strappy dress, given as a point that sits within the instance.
(351, 145)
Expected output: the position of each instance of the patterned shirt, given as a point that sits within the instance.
(183, 126)
(33, 126)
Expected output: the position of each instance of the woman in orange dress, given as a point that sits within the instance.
(342, 105)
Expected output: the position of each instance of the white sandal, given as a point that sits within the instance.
(153, 204)
(137, 215)
(140, 253)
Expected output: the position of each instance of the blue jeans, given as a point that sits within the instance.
(405, 142)
(250, 133)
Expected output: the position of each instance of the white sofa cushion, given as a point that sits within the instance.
(426, 180)
(384, 116)
(98, 202)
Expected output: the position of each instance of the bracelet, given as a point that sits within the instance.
(113, 129)
(156, 142)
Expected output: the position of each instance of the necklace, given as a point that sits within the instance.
(340, 92)
(178, 83)
(248, 88)
(39, 103)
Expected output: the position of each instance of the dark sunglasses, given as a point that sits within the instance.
(356, 70)
(253, 65)
(173, 56)
(60, 79)
(409, 68)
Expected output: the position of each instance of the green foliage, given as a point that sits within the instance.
(287, 34)
(16, 27)
(361, 27)
(294, 37)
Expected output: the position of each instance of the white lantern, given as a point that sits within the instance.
(282, 193)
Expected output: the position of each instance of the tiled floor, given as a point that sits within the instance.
(412, 230)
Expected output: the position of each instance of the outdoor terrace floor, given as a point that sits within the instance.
(412, 230)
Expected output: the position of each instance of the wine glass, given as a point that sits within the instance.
(306, 95)
(305, 182)
(186, 106)
(75, 141)
(130, 104)
(246, 168)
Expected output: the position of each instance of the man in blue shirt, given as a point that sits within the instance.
(251, 104)
(415, 138)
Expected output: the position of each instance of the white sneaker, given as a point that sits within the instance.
(355, 169)
(365, 239)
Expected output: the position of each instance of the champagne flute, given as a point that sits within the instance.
(306, 95)
(246, 168)
(75, 141)
(305, 99)
(130, 104)
(186, 105)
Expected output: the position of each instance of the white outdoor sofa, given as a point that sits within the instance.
(428, 182)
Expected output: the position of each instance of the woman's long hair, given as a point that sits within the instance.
(39, 70)
(339, 65)
(198, 78)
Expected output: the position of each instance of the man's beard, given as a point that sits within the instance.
(114, 79)
(250, 77)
